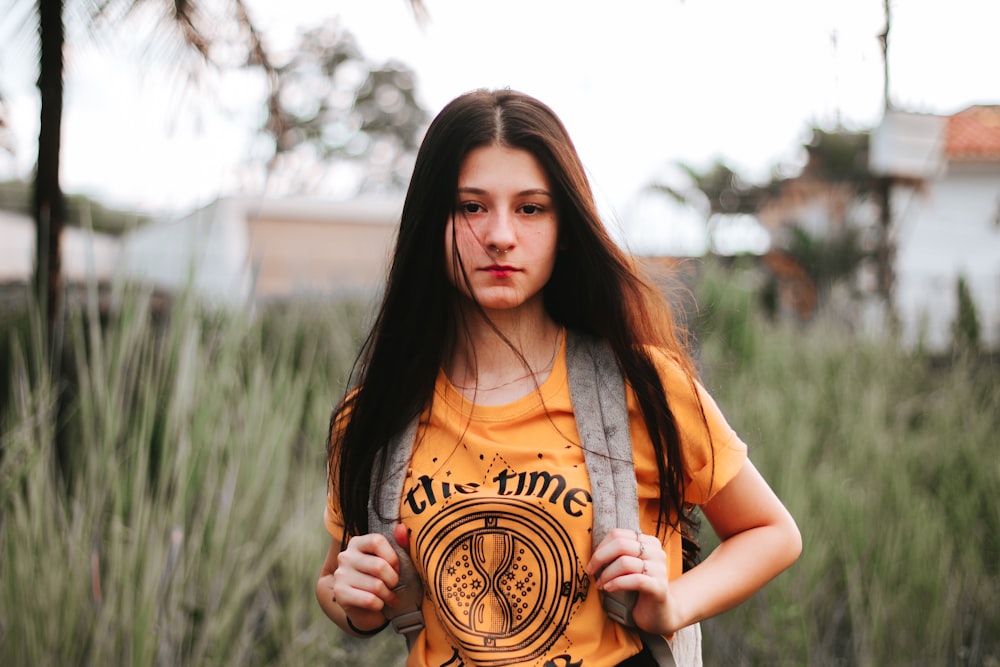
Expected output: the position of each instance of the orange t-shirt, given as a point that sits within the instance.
(497, 502)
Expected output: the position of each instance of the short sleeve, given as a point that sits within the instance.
(713, 452)
(333, 515)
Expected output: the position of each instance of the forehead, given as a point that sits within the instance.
(499, 167)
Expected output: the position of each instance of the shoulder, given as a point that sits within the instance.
(341, 415)
(686, 397)
(713, 451)
(676, 373)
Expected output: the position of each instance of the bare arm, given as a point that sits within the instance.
(759, 541)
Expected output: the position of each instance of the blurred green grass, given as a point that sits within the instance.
(890, 462)
(176, 516)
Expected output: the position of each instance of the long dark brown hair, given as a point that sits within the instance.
(595, 288)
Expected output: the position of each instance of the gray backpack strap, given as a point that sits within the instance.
(684, 647)
(407, 618)
(597, 390)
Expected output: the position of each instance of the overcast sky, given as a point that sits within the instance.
(641, 84)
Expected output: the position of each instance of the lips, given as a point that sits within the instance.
(500, 271)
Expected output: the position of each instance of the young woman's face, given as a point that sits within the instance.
(506, 229)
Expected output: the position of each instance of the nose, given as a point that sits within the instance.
(500, 234)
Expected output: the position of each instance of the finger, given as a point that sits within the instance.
(617, 543)
(374, 544)
(367, 571)
(402, 535)
(620, 567)
(367, 594)
(633, 574)
(355, 588)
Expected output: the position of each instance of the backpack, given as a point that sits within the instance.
(597, 391)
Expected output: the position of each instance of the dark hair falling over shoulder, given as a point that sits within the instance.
(595, 288)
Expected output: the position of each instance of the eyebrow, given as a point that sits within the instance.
(522, 193)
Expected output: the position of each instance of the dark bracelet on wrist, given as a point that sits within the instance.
(365, 633)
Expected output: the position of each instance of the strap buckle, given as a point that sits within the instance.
(411, 621)
(619, 607)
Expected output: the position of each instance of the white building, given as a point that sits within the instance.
(946, 218)
(246, 249)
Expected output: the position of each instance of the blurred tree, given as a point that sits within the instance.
(805, 261)
(48, 207)
(828, 259)
(184, 22)
(837, 181)
(841, 157)
(726, 190)
(328, 103)
(833, 156)
(81, 210)
(216, 33)
(194, 31)
(965, 330)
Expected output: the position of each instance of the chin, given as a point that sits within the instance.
(500, 304)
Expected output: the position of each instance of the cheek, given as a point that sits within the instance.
(465, 241)
(548, 244)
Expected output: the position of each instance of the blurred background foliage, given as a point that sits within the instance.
(162, 503)
(329, 103)
(162, 466)
(312, 112)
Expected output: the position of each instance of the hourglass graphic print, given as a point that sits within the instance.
(491, 555)
(504, 577)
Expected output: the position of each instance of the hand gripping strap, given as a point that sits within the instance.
(406, 617)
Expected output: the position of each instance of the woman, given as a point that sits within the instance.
(500, 253)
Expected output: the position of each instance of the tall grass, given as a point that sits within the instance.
(175, 516)
(890, 462)
(183, 522)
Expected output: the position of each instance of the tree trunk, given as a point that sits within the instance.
(48, 205)
(886, 253)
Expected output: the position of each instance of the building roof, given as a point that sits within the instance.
(974, 134)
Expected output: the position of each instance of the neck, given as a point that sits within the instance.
(504, 357)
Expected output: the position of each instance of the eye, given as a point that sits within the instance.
(470, 208)
(531, 209)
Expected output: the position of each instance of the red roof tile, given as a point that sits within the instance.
(974, 134)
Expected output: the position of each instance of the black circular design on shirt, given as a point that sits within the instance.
(503, 577)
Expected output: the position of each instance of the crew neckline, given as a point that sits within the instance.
(548, 389)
